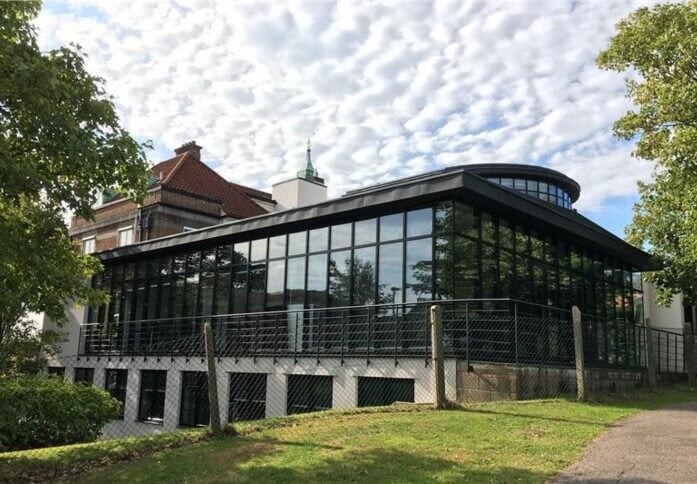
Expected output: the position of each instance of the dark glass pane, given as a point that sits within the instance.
(153, 384)
(84, 375)
(488, 228)
(257, 287)
(317, 281)
(445, 218)
(341, 236)
(297, 243)
(319, 239)
(340, 278)
(466, 221)
(239, 289)
(419, 222)
(224, 258)
(258, 250)
(505, 235)
(241, 253)
(277, 247)
(296, 281)
(444, 266)
(208, 260)
(275, 284)
(519, 184)
(309, 393)
(115, 382)
(364, 276)
(179, 263)
(194, 408)
(505, 273)
(507, 182)
(193, 262)
(391, 273)
(206, 302)
(166, 266)
(247, 396)
(191, 294)
(365, 232)
(466, 268)
(384, 391)
(392, 227)
(521, 241)
(222, 293)
(165, 298)
(419, 267)
(489, 271)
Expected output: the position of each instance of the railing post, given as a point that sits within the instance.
(437, 356)
(578, 350)
(213, 406)
(515, 329)
(467, 333)
(650, 363)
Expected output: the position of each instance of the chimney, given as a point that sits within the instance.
(191, 147)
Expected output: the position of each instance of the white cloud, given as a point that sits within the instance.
(385, 90)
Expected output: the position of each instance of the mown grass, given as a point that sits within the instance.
(493, 442)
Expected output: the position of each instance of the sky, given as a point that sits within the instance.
(384, 90)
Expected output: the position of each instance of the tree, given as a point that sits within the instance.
(657, 47)
(60, 146)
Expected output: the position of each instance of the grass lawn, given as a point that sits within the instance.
(494, 442)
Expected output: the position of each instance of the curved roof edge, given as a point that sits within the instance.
(526, 171)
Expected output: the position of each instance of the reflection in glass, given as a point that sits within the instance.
(419, 280)
(258, 250)
(341, 236)
(392, 227)
(365, 232)
(277, 247)
(295, 281)
(364, 276)
(317, 281)
(319, 239)
(391, 273)
(275, 284)
(340, 278)
(419, 222)
(296, 243)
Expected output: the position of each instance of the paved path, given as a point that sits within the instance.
(658, 446)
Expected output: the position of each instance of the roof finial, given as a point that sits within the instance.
(309, 170)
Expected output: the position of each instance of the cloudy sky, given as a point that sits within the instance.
(385, 90)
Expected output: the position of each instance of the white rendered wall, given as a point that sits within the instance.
(671, 318)
(344, 390)
(298, 192)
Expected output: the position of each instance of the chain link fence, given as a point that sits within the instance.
(288, 362)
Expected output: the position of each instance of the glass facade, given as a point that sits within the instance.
(447, 250)
(538, 188)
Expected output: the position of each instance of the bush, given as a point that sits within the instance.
(40, 411)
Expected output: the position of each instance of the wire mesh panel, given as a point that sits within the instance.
(247, 396)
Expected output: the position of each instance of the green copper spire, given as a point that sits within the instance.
(309, 170)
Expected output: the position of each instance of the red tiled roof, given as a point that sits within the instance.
(188, 174)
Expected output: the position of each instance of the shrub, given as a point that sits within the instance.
(40, 411)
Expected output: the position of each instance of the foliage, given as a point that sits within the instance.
(657, 47)
(60, 145)
(490, 442)
(24, 350)
(39, 411)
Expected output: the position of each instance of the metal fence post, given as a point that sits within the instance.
(650, 360)
(688, 350)
(214, 409)
(515, 329)
(578, 350)
(437, 355)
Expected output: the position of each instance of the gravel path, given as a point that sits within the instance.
(658, 446)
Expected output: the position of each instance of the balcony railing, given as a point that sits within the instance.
(492, 330)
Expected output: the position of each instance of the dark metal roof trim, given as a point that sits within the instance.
(402, 195)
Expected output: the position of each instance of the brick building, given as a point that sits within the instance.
(184, 194)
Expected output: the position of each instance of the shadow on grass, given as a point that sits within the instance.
(263, 460)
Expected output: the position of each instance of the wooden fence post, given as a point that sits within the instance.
(213, 405)
(650, 355)
(437, 355)
(578, 350)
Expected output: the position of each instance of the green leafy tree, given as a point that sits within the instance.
(60, 146)
(657, 48)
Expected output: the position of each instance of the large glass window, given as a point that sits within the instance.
(297, 243)
(151, 405)
(319, 239)
(296, 281)
(247, 396)
(365, 232)
(275, 284)
(277, 247)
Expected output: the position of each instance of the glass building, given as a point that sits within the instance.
(476, 232)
